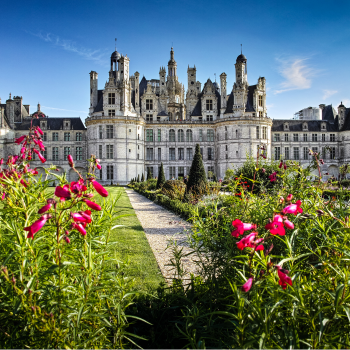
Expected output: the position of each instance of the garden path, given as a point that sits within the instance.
(162, 227)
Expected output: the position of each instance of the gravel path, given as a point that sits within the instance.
(161, 227)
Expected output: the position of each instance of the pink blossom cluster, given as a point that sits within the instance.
(276, 226)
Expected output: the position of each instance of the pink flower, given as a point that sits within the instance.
(43, 160)
(92, 205)
(23, 150)
(276, 226)
(70, 160)
(281, 164)
(283, 278)
(37, 225)
(99, 189)
(45, 208)
(24, 183)
(293, 208)
(289, 197)
(98, 166)
(66, 239)
(80, 228)
(20, 139)
(240, 227)
(2, 161)
(3, 196)
(62, 192)
(246, 286)
(40, 131)
(248, 242)
(273, 177)
(289, 224)
(78, 217)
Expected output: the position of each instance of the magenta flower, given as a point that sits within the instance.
(80, 228)
(240, 227)
(40, 131)
(67, 239)
(70, 160)
(3, 196)
(273, 177)
(99, 189)
(63, 192)
(37, 225)
(289, 197)
(77, 217)
(92, 205)
(45, 208)
(281, 164)
(98, 166)
(293, 208)
(43, 160)
(248, 242)
(20, 139)
(276, 226)
(288, 224)
(246, 286)
(283, 278)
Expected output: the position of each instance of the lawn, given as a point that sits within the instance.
(133, 246)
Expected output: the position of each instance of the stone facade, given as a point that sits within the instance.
(136, 124)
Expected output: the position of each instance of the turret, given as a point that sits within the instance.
(241, 69)
(172, 65)
(137, 92)
(162, 85)
(124, 67)
(93, 91)
(223, 86)
(341, 114)
(191, 80)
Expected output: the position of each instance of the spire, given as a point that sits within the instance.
(39, 107)
(241, 50)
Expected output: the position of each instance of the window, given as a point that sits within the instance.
(342, 152)
(172, 172)
(181, 154)
(210, 154)
(159, 139)
(200, 135)
(323, 137)
(79, 153)
(296, 153)
(260, 101)
(138, 156)
(295, 137)
(189, 154)
(286, 152)
(315, 149)
(158, 119)
(277, 138)
(171, 135)
(258, 132)
(44, 153)
(100, 151)
(286, 137)
(323, 152)
(209, 118)
(45, 136)
(260, 114)
(264, 132)
(210, 135)
(109, 151)
(149, 104)
(180, 171)
(78, 136)
(149, 153)
(110, 172)
(210, 170)
(109, 131)
(277, 153)
(226, 156)
(159, 154)
(332, 137)
(189, 135)
(201, 150)
(149, 117)
(314, 137)
(171, 153)
(67, 136)
(226, 148)
(180, 136)
(332, 152)
(111, 98)
(66, 152)
(55, 136)
(101, 173)
(149, 135)
(209, 105)
(305, 153)
(100, 132)
(111, 112)
(54, 153)
(138, 136)
(305, 137)
(226, 137)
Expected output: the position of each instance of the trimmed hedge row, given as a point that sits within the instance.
(345, 194)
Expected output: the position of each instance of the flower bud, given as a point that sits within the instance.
(289, 197)
(70, 161)
(320, 212)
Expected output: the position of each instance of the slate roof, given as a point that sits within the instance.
(163, 114)
(99, 106)
(329, 113)
(230, 103)
(297, 125)
(142, 86)
(197, 110)
(249, 106)
(218, 97)
(346, 125)
(3, 105)
(52, 124)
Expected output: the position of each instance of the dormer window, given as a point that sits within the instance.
(323, 126)
(286, 126)
(209, 105)
(304, 126)
(111, 98)
(66, 124)
(149, 104)
(43, 124)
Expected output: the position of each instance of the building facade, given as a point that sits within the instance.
(135, 125)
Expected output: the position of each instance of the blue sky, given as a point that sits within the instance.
(48, 48)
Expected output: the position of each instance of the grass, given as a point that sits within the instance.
(133, 246)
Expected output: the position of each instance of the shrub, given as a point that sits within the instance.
(197, 176)
(161, 177)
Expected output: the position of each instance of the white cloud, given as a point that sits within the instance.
(297, 74)
(346, 102)
(98, 56)
(64, 110)
(328, 93)
(269, 106)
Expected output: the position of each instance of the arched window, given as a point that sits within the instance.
(180, 136)
(210, 135)
(189, 135)
(171, 135)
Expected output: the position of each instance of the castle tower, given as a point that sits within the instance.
(191, 80)
(240, 87)
(341, 114)
(162, 74)
(123, 65)
(137, 92)
(241, 69)
(223, 86)
(172, 66)
(93, 91)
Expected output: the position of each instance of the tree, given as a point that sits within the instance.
(149, 174)
(197, 175)
(161, 177)
(138, 178)
(142, 178)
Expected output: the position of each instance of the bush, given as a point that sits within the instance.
(197, 176)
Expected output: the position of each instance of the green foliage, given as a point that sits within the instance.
(161, 177)
(142, 178)
(197, 176)
(149, 174)
(138, 178)
(174, 189)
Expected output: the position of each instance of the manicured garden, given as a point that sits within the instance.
(273, 258)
